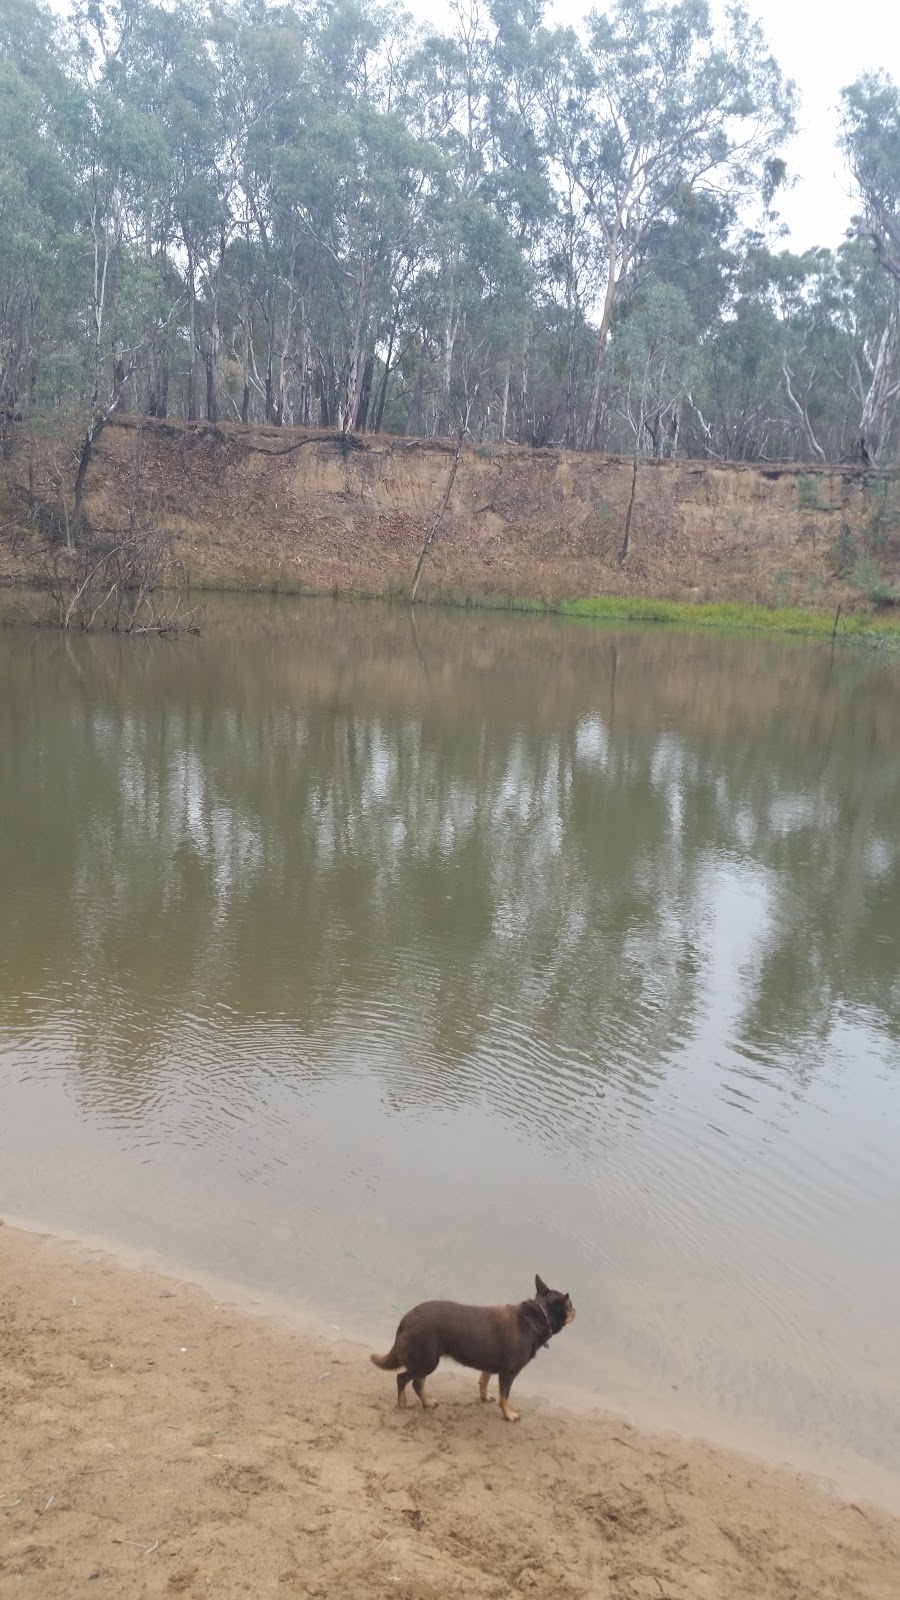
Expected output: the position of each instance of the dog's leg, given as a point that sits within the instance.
(419, 1386)
(506, 1379)
(402, 1380)
(483, 1382)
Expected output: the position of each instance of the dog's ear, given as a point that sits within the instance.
(540, 1285)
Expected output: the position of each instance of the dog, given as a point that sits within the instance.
(492, 1339)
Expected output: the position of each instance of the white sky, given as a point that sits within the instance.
(824, 46)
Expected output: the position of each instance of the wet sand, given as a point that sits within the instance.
(158, 1441)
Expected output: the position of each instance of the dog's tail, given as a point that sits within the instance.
(390, 1362)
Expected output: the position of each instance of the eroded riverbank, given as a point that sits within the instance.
(283, 510)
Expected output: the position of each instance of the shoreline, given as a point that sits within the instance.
(730, 618)
(656, 1416)
(171, 1441)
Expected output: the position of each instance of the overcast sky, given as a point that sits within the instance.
(823, 47)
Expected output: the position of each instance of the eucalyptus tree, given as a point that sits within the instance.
(655, 98)
(361, 206)
(656, 359)
(839, 363)
(451, 113)
(874, 313)
(37, 213)
(207, 124)
(870, 134)
(518, 189)
(83, 160)
(116, 155)
(531, 232)
(278, 51)
(666, 318)
(472, 93)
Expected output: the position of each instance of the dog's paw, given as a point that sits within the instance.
(511, 1416)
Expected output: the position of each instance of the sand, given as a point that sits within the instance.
(156, 1441)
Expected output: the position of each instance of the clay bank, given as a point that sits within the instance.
(310, 511)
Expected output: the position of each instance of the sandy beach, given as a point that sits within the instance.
(158, 1441)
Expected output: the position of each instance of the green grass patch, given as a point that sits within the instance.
(808, 496)
(875, 627)
(728, 615)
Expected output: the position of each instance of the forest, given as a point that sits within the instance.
(322, 214)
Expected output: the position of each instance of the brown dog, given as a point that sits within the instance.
(493, 1339)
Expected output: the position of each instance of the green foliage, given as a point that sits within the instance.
(725, 615)
(866, 578)
(870, 126)
(311, 214)
(808, 496)
(881, 524)
(879, 540)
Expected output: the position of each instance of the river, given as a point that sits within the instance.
(362, 957)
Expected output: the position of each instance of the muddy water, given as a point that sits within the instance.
(362, 960)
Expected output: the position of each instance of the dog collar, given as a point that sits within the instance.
(545, 1343)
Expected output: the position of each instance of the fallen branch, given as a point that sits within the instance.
(802, 413)
(445, 501)
(623, 553)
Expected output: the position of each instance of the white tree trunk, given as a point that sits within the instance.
(880, 404)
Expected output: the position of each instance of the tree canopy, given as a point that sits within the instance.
(311, 213)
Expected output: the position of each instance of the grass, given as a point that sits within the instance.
(808, 497)
(723, 615)
(729, 615)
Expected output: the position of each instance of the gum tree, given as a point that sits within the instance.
(870, 135)
(655, 99)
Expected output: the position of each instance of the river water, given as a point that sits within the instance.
(360, 957)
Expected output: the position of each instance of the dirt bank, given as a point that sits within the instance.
(156, 1441)
(264, 507)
